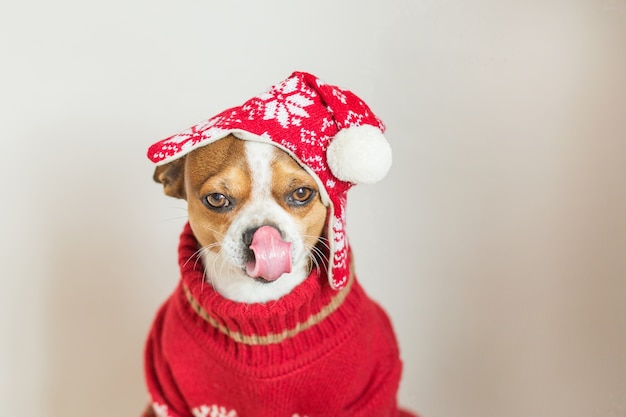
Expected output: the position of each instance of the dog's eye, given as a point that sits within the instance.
(301, 196)
(217, 201)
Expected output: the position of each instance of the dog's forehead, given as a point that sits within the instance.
(230, 151)
(208, 161)
(284, 166)
(214, 156)
(282, 156)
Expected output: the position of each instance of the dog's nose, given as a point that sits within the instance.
(248, 235)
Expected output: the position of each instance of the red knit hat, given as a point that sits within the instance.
(331, 132)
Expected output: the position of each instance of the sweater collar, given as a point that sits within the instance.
(310, 304)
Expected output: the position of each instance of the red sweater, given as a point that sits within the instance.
(315, 352)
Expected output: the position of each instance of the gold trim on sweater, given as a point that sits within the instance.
(272, 338)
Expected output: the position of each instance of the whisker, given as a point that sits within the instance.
(169, 219)
(222, 265)
(221, 235)
(322, 241)
(318, 258)
(209, 270)
(195, 255)
(315, 263)
(319, 246)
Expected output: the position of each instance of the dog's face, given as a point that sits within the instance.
(256, 213)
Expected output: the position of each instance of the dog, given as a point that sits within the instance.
(268, 319)
(239, 192)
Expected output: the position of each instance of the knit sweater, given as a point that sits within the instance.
(315, 352)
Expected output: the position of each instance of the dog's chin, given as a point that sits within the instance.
(235, 284)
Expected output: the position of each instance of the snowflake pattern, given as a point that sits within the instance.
(287, 103)
(340, 96)
(353, 119)
(327, 123)
(160, 410)
(315, 162)
(217, 411)
(340, 256)
(313, 138)
(213, 411)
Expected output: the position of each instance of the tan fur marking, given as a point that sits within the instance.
(216, 168)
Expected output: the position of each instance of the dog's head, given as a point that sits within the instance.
(256, 213)
(262, 178)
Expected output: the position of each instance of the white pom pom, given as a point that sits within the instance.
(359, 154)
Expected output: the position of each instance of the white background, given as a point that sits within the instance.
(497, 243)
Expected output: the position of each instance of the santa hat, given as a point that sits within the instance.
(331, 132)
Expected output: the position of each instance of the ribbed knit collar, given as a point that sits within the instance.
(265, 333)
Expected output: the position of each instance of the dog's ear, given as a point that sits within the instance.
(172, 176)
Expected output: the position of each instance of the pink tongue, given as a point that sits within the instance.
(272, 255)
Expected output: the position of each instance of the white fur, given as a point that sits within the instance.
(225, 268)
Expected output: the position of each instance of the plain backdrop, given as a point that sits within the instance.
(497, 243)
